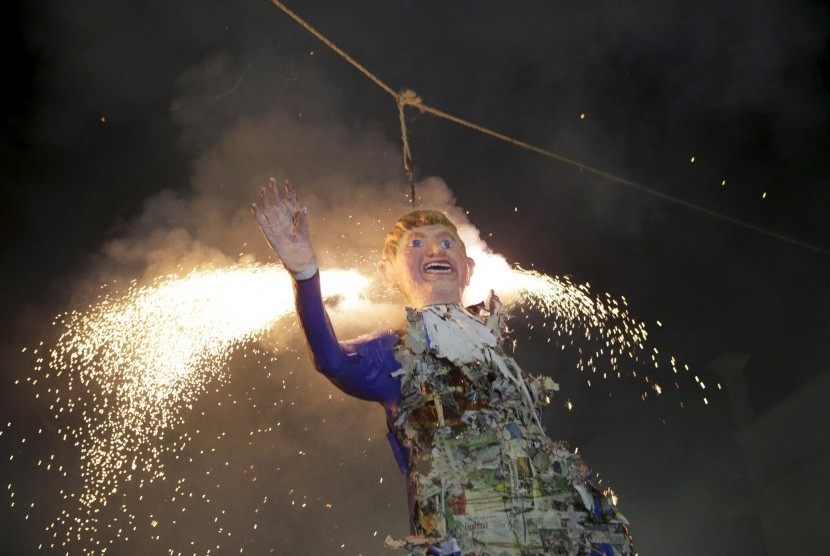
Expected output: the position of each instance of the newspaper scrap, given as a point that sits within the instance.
(486, 479)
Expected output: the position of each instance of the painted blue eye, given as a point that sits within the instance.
(446, 244)
(417, 243)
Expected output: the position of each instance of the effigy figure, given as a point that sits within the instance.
(483, 478)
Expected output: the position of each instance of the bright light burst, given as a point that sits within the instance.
(136, 363)
(573, 315)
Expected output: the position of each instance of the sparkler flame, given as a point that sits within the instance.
(569, 309)
(137, 363)
(143, 359)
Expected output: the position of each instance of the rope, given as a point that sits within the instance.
(334, 47)
(617, 179)
(404, 99)
(409, 98)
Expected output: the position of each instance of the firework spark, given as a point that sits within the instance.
(134, 365)
(572, 314)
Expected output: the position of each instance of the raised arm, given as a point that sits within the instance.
(361, 368)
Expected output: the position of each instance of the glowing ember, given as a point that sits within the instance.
(575, 316)
(144, 358)
(136, 364)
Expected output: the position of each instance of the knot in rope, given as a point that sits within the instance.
(408, 97)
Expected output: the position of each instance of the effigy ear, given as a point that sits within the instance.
(387, 273)
(471, 265)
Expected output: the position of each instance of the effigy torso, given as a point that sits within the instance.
(487, 480)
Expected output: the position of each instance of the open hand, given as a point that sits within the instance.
(285, 226)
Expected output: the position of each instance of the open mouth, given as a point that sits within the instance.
(438, 267)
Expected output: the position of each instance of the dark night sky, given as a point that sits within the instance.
(135, 134)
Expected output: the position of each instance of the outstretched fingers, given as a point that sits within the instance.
(260, 215)
(285, 226)
(272, 196)
(283, 212)
(290, 194)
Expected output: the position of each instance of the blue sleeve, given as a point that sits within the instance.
(362, 367)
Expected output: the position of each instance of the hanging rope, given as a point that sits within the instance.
(409, 98)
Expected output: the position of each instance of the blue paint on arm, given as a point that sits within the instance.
(361, 367)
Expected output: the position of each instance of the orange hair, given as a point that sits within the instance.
(416, 219)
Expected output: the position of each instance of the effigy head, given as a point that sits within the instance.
(425, 259)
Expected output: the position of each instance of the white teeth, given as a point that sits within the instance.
(438, 268)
